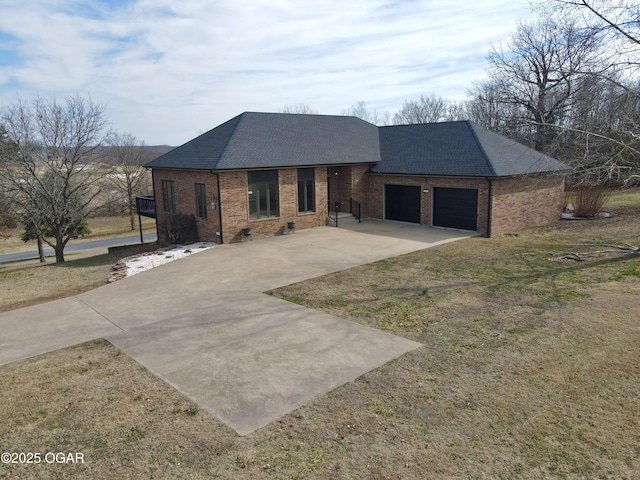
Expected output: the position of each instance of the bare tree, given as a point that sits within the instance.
(299, 108)
(53, 175)
(538, 71)
(360, 110)
(618, 18)
(604, 124)
(7, 215)
(127, 157)
(427, 109)
(7, 218)
(599, 139)
(486, 107)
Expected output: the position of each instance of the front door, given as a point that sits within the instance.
(339, 188)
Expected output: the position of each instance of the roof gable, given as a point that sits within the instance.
(270, 140)
(508, 157)
(431, 149)
(201, 153)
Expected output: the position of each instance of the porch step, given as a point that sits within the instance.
(344, 218)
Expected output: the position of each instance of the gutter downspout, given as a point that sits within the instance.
(153, 186)
(490, 206)
(219, 205)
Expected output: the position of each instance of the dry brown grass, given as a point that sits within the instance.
(94, 400)
(529, 370)
(30, 282)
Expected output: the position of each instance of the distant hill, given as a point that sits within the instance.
(158, 149)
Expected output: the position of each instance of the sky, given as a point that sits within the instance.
(169, 70)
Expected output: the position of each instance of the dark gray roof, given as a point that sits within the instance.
(268, 140)
(457, 149)
(272, 140)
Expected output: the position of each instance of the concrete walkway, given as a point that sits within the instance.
(203, 324)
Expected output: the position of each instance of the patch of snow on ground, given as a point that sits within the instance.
(571, 216)
(147, 262)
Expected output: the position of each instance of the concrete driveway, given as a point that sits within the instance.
(203, 324)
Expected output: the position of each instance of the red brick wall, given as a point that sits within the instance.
(517, 203)
(523, 202)
(185, 195)
(348, 182)
(360, 187)
(235, 206)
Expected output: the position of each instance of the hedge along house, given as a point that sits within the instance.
(266, 172)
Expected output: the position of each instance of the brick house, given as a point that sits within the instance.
(270, 171)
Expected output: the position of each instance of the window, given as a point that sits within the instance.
(263, 194)
(306, 196)
(168, 196)
(201, 201)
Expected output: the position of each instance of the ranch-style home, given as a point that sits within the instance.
(268, 173)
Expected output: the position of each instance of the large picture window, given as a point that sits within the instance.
(263, 194)
(306, 193)
(201, 201)
(168, 196)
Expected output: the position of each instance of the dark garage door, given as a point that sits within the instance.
(402, 203)
(455, 208)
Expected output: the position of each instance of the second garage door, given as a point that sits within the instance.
(455, 208)
(402, 203)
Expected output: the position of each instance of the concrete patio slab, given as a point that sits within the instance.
(203, 324)
(253, 367)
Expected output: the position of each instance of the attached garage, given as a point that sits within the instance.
(402, 203)
(455, 208)
(476, 179)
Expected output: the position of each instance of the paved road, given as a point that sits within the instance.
(76, 247)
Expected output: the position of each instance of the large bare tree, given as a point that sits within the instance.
(605, 124)
(127, 157)
(53, 174)
(537, 71)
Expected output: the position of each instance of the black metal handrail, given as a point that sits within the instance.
(355, 209)
(335, 207)
(146, 206)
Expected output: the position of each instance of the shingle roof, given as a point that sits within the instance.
(457, 149)
(268, 140)
(271, 140)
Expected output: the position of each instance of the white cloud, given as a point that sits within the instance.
(169, 70)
